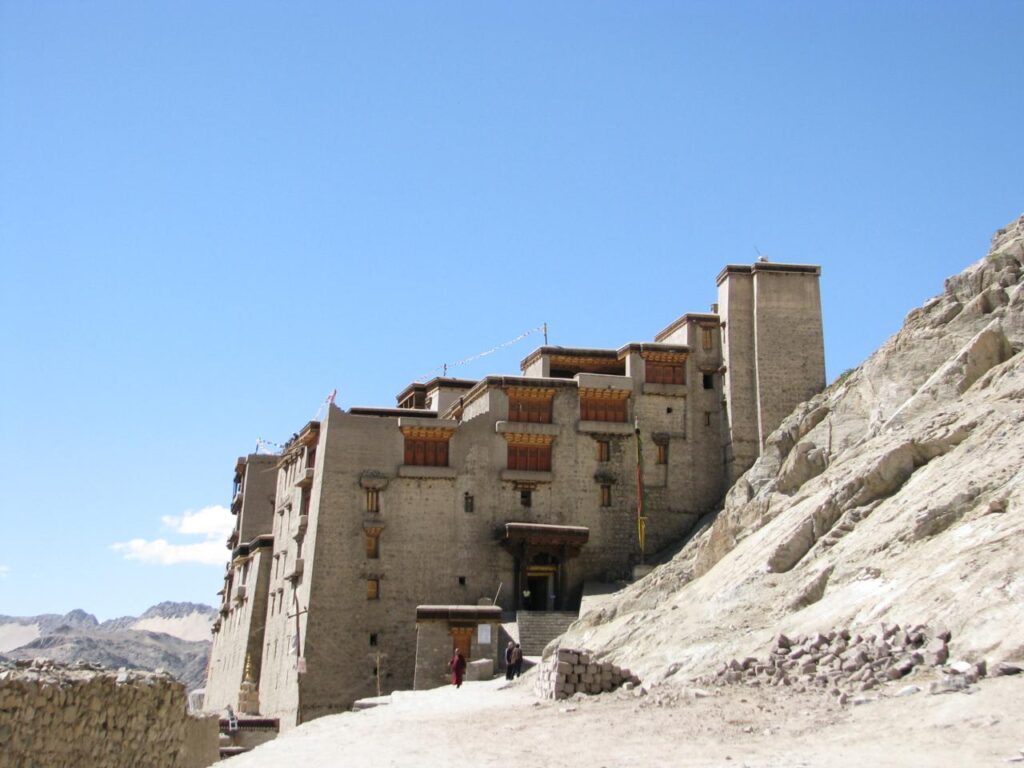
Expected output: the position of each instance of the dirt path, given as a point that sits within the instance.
(493, 724)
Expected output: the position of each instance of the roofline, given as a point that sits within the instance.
(569, 352)
(689, 317)
(766, 266)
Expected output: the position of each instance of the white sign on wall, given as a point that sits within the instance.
(483, 634)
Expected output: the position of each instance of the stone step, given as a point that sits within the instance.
(538, 628)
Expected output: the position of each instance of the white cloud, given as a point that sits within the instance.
(214, 524)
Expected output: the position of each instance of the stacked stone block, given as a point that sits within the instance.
(570, 671)
(81, 716)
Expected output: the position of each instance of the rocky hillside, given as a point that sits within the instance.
(170, 636)
(895, 496)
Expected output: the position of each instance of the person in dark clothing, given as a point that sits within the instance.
(509, 662)
(517, 660)
(458, 668)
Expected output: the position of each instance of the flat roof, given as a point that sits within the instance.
(445, 382)
(568, 352)
(689, 317)
(766, 266)
(371, 411)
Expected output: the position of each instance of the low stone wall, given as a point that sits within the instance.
(82, 716)
(571, 671)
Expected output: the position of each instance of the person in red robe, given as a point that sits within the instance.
(458, 667)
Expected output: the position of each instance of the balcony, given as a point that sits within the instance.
(239, 593)
(298, 529)
(304, 478)
(236, 503)
(296, 572)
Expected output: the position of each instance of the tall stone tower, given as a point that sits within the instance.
(773, 349)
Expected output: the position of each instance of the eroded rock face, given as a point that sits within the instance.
(896, 494)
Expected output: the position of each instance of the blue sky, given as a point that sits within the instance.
(212, 214)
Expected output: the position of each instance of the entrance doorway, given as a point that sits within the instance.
(541, 591)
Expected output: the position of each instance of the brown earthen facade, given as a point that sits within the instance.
(513, 489)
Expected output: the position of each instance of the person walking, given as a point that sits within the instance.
(517, 660)
(458, 668)
(509, 661)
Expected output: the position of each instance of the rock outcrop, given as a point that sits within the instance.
(896, 495)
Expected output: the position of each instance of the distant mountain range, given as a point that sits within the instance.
(171, 636)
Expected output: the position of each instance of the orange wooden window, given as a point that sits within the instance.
(603, 450)
(372, 545)
(531, 458)
(426, 453)
(373, 589)
(529, 409)
(708, 338)
(662, 453)
(603, 409)
(606, 495)
(372, 500)
(665, 373)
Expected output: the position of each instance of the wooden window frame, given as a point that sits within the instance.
(606, 494)
(605, 409)
(604, 450)
(529, 458)
(373, 500)
(372, 544)
(708, 339)
(664, 373)
(426, 452)
(373, 589)
(662, 453)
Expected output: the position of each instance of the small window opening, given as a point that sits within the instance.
(467, 502)
(373, 639)
(662, 453)
(707, 418)
(526, 498)
(373, 589)
(603, 450)
(372, 545)
(709, 381)
(372, 500)
(669, 409)
(462, 581)
(606, 495)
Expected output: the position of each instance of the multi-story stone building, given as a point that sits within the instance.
(515, 490)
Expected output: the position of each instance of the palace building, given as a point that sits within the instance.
(511, 492)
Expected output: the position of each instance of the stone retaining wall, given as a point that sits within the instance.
(571, 671)
(82, 716)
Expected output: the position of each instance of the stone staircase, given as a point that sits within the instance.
(538, 628)
(245, 733)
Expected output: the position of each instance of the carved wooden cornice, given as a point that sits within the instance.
(530, 393)
(604, 394)
(671, 358)
(520, 438)
(427, 433)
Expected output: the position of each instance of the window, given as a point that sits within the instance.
(421, 452)
(373, 639)
(526, 498)
(529, 458)
(707, 418)
(664, 373)
(708, 338)
(606, 495)
(603, 450)
(603, 408)
(467, 502)
(462, 581)
(373, 589)
(530, 405)
(372, 500)
(373, 544)
(709, 381)
(662, 453)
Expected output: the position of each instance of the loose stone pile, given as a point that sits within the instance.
(571, 671)
(80, 715)
(844, 662)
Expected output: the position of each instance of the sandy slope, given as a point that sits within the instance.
(493, 724)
